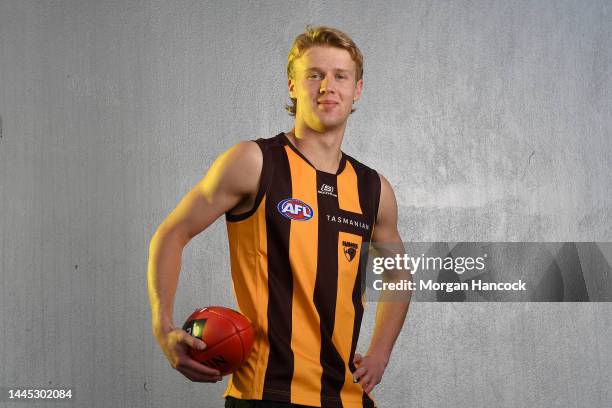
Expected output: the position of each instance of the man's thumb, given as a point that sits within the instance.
(357, 358)
(199, 344)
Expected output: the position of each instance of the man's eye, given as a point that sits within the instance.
(341, 76)
(313, 76)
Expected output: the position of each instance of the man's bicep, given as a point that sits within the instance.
(232, 177)
(385, 229)
(195, 212)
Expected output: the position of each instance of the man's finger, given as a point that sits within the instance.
(199, 368)
(369, 388)
(193, 342)
(365, 381)
(199, 372)
(196, 376)
(371, 385)
(358, 373)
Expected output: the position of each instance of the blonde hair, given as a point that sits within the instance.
(321, 36)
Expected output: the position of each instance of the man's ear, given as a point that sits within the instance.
(291, 87)
(358, 88)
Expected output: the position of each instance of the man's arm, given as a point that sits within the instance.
(232, 180)
(390, 313)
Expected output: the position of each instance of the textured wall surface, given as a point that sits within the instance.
(492, 120)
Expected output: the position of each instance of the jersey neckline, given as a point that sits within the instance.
(341, 165)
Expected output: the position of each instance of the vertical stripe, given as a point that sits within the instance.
(358, 297)
(251, 291)
(277, 382)
(369, 194)
(348, 197)
(348, 263)
(368, 190)
(325, 296)
(303, 245)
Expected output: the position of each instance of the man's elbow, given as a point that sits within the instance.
(164, 234)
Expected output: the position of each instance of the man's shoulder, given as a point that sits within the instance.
(244, 154)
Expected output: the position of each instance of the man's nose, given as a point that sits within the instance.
(326, 86)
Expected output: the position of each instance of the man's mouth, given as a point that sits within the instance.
(327, 103)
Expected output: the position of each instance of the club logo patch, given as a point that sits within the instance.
(350, 250)
(295, 209)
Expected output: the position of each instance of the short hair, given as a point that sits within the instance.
(321, 36)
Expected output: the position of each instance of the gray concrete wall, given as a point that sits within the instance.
(491, 119)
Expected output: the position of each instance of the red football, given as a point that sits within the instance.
(228, 336)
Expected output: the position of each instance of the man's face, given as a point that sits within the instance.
(324, 86)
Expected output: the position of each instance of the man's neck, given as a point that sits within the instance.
(323, 150)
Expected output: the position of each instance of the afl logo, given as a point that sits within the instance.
(295, 209)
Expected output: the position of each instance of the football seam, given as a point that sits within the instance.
(236, 331)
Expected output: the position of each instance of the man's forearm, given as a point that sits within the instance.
(165, 252)
(390, 316)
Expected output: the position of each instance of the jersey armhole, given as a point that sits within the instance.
(261, 190)
(377, 192)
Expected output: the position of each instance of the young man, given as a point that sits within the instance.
(298, 211)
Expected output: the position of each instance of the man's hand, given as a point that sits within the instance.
(369, 372)
(175, 345)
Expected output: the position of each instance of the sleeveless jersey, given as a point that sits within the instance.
(295, 261)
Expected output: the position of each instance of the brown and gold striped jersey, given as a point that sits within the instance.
(296, 275)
